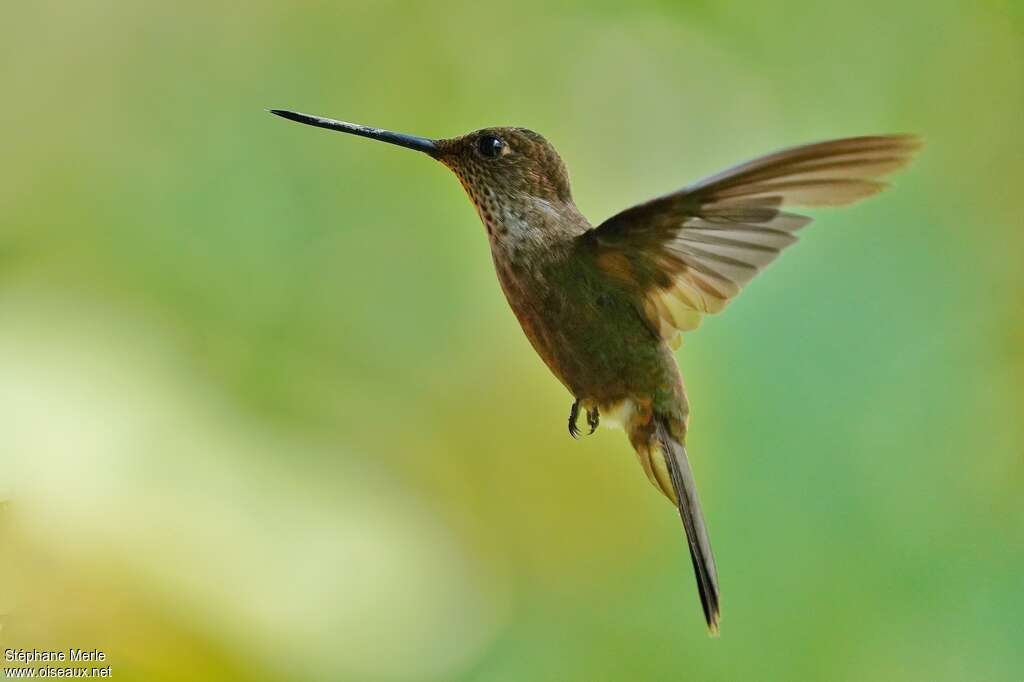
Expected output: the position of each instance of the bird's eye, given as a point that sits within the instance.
(490, 146)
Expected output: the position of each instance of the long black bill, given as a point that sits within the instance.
(420, 144)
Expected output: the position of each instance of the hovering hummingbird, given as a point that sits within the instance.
(604, 306)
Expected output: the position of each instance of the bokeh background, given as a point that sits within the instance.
(265, 414)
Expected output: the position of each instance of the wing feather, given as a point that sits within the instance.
(690, 252)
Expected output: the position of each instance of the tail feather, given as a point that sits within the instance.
(685, 488)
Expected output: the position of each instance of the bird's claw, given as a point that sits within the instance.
(574, 414)
(593, 419)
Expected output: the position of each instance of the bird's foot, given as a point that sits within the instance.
(593, 419)
(574, 414)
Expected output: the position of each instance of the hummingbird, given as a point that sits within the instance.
(604, 307)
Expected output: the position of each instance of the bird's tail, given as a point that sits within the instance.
(663, 457)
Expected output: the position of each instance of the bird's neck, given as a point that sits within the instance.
(531, 228)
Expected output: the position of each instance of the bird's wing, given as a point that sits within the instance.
(690, 252)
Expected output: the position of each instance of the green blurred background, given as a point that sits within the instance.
(265, 414)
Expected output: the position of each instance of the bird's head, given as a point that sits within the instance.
(506, 164)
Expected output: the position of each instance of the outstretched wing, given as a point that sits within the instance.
(690, 252)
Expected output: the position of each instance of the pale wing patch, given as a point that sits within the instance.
(714, 257)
